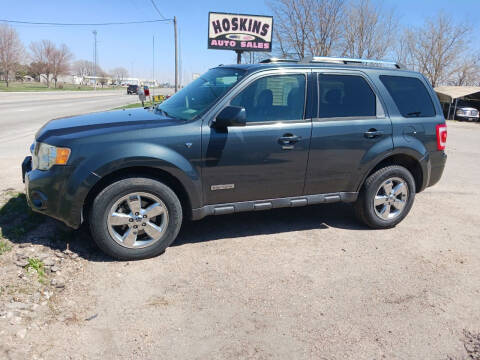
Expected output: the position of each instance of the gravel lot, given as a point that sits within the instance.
(307, 283)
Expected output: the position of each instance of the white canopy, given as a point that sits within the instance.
(449, 93)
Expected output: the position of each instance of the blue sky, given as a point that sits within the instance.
(131, 46)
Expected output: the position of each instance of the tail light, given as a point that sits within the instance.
(441, 136)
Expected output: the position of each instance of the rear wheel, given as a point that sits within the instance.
(386, 197)
(135, 218)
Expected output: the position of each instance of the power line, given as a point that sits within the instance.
(156, 8)
(84, 24)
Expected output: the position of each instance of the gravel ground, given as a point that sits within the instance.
(307, 283)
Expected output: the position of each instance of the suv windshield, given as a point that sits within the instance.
(198, 96)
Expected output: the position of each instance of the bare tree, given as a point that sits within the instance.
(119, 74)
(466, 73)
(11, 51)
(436, 48)
(42, 54)
(60, 62)
(325, 26)
(369, 30)
(292, 26)
(252, 57)
(84, 68)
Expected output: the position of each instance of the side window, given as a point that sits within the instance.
(410, 96)
(345, 96)
(273, 98)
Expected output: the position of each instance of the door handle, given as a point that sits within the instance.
(373, 133)
(289, 139)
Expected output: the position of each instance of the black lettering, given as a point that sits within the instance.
(243, 22)
(256, 26)
(234, 24)
(264, 29)
(216, 26)
(250, 25)
(226, 25)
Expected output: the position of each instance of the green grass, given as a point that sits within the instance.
(37, 266)
(16, 217)
(4, 246)
(36, 86)
(130, 106)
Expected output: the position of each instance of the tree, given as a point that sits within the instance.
(119, 74)
(60, 62)
(466, 72)
(369, 31)
(11, 51)
(436, 48)
(103, 80)
(292, 27)
(42, 54)
(325, 26)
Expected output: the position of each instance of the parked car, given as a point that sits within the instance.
(243, 138)
(466, 113)
(132, 89)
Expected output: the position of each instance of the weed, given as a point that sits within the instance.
(38, 267)
(4, 245)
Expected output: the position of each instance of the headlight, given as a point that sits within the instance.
(47, 155)
(460, 112)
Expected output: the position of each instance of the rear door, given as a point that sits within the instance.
(267, 158)
(413, 114)
(350, 131)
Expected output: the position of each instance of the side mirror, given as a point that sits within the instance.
(231, 116)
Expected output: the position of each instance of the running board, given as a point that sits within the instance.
(257, 205)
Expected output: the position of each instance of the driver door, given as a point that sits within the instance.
(267, 158)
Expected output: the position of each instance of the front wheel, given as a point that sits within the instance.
(135, 218)
(386, 197)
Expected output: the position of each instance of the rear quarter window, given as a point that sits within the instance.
(410, 96)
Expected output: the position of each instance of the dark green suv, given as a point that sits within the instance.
(243, 138)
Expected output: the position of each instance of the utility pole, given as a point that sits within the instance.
(153, 66)
(176, 52)
(94, 32)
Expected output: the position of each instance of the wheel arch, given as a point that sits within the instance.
(408, 161)
(141, 171)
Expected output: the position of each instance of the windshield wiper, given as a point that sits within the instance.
(415, 113)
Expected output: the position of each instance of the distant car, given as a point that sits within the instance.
(466, 113)
(132, 89)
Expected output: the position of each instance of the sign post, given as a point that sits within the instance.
(239, 32)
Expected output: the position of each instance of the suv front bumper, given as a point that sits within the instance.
(45, 192)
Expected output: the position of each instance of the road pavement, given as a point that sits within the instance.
(23, 113)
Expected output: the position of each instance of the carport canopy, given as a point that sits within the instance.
(447, 94)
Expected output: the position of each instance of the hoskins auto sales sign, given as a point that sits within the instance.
(239, 32)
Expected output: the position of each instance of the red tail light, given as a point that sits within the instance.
(441, 136)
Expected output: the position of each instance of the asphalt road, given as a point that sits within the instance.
(22, 114)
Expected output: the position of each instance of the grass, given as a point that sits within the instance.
(36, 86)
(130, 106)
(4, 246)
(16, 217)
(37, 266)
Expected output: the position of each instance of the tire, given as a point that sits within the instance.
(140, 234)
(386, 214)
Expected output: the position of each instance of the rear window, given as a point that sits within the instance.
(345, 96)
(410, 96)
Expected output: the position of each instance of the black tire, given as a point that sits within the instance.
(104, 201)
(364, 206)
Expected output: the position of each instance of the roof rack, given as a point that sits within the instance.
(280, 60)
(349, 61)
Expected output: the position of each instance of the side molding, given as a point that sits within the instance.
(257, 205)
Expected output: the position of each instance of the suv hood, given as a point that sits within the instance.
(103, 122)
